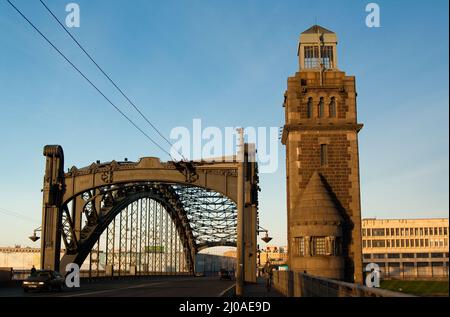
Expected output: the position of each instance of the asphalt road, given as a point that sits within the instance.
(148, 287)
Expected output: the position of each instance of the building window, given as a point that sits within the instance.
(397, 232)
(378, 243)
(392, 231)
(318, 246)
(416, 231)
(321, 108)
(332, 108)
(402, 232)
(312, 57)
(299, 246)
(323, 154)
(364, 232)
(313, 60)
(437, 255)
(364, 243)
(435, 231)
(421, 231)
(423, 264)
(369, 231)
(393, 255)
(377, 232)
(402, 243)
(378, 255)
(327, 56)
(426, 242)
(445, 231)
(431, 231)
(309, 107)
(440, 231)
(408, 255)
(397, 243)
(388, 243)
(411, 231)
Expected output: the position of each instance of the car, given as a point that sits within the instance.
(224, 275)
(43, 280)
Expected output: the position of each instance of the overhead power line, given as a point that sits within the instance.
(108, 77)
(16, 214)
(89, 81)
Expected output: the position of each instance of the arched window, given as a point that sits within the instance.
(333, 107)
(321, 104)
(309, 107)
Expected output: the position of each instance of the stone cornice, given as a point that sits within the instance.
(319, 127)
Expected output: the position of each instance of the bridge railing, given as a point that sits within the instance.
(19, 275)
(296, 284)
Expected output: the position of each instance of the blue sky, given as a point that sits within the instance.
(226, 62)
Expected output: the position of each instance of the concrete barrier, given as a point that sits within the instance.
(296, 284)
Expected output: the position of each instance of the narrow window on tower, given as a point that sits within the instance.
(312, 57)
(323, 154)
(309, 106)
(326, 52)
(333, 108)
(321, 107)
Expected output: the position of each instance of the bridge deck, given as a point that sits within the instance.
(150, 287)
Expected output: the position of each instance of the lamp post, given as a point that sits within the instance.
(266, 238)
(34, 237)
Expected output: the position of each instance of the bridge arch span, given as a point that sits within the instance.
(135, 200)
(200, 199)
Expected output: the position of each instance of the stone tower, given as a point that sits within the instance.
(322, 163)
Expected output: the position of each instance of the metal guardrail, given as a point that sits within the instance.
(19, 275)
(296, 284)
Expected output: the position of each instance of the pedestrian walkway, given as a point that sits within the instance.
(260, 289)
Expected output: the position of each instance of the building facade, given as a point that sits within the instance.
(407, 248)
(275, 255)
(19, 258)
(322, 163)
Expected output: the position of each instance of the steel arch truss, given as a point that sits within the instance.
(100, 209)
(213, 217)
(202, 218)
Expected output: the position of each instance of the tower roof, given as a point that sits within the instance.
(317, 29)
(316, 203)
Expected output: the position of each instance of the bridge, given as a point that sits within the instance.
(148, 217)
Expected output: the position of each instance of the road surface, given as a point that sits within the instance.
(171, 286)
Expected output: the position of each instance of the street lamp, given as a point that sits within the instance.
(266, 237)
(35, 237)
